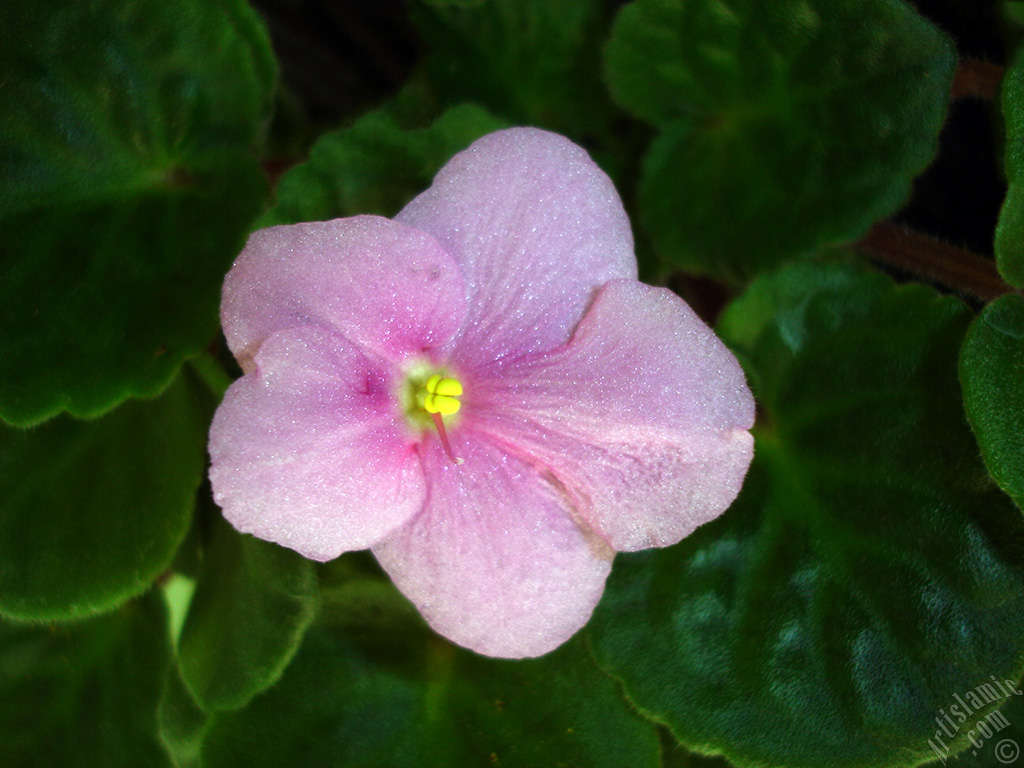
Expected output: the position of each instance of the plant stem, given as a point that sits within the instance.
(211, 374)
(934, 260)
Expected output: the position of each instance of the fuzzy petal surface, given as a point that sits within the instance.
(536, 227)
(495, 561)
(642, 417)
(381, 284)
(308, 449)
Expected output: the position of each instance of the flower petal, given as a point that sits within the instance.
(536, 227)
(643, 417)
(309, 450)
(495, 561)
(381, 284)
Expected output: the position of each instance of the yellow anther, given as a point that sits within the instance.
(447, 387)
(428, 397)
(440, 396)
(446, 406)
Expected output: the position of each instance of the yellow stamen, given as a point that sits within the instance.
(440, 395)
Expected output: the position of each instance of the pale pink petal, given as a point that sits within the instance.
(536, 227)
(495, 561)
(643, 417)
(381, 284)
(309, 449)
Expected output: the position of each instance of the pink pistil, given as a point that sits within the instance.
(439, 423)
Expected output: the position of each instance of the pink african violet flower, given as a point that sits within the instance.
(597, 414)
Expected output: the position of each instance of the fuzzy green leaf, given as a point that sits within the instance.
(992, 374)
(129, 186)
(785, 125)
(371, 686)
(534, 62)
(92, 512)
(869, 570)
(181, 723)
(252, 604)
(1009, 241)
(84, 695)
(995, 738)
(374, 166)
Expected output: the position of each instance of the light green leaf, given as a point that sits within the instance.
(869, 570)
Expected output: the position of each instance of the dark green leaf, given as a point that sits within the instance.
(446, 3)
(182, 723)
(992, 374)
(92, 512)
(995, 739)
(1009, 243)
(129, 186)
(371, 686)
(786, 125)
(375, 166)
(84, 695)
(1013, 12)
(869, 570)
(675, 755)
(253, 602)
(535, 62)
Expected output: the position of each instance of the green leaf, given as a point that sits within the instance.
(371, 686)
(1013, 12)
(675, 755)
(374, 166)
(84, 695)
(129, 186)
(995, 738)
(446, 3)
(252, 605)
(534, 62)
(785, 125)
(181, 723)
(870, 568)
(92, 512)
(992, 375)
(1009, 240)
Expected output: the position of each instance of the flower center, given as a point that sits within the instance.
(430, 397)
(440, 395)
